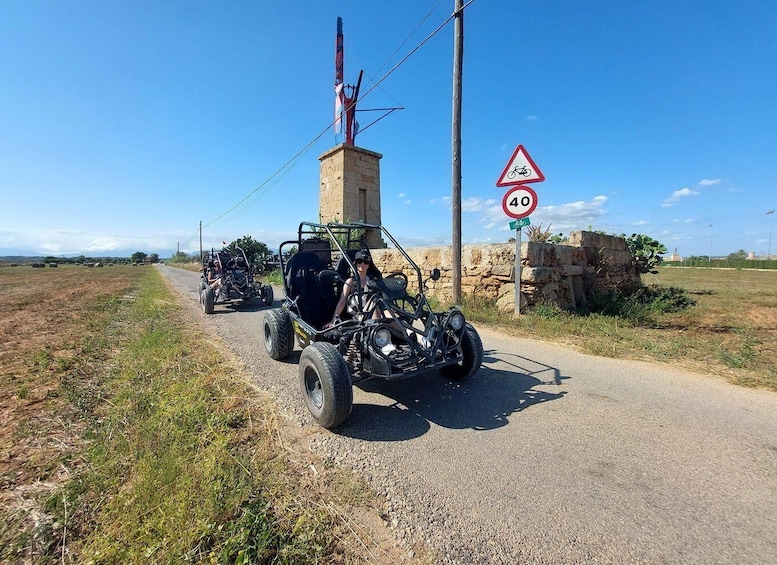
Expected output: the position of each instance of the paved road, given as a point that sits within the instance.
(551, 456)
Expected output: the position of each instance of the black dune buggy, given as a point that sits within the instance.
(237, 280)
(387, 331)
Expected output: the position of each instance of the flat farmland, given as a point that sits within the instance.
(732, 329)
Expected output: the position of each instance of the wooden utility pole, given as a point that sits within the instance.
(458, 57)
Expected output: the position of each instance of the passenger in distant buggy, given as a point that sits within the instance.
(213, 275)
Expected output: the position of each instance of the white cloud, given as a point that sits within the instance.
(421, 241)
(573, 215)
(401, 195)
(639, 223)
(564, 217)
(532, 117)
(493, 216)
(74, 242)
(709, 182)
(677, 195)
(471, 204)
(474, 204)
(66, 242)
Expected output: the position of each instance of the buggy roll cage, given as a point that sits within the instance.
(216, 256)
(323, 239)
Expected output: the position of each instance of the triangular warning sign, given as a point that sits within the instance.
(520, 169)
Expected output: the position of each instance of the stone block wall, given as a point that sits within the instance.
(564, 274)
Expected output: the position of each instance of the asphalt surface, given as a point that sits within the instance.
(547, 455)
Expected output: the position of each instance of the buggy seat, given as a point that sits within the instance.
(315, 302)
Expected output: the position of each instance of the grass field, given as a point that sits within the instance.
(730, 332)
(128, 437)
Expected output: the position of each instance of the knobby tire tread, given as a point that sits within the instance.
(335, 382)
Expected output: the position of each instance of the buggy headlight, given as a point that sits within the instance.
(456, 321)
(381, 337)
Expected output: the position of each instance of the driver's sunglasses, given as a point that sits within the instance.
(360, 261)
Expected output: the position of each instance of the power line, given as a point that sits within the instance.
(289, 164)
(191, 237)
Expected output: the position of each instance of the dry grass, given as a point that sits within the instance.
(128, 438)
(731, 332)
(48, 319)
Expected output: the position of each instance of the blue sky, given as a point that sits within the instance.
(124, 124)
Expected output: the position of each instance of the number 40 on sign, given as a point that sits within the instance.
(519, 202)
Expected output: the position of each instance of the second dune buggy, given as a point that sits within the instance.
(388, 330)
(237, 280)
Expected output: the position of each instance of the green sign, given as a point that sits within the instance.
(517, 224)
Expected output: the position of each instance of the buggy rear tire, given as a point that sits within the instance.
(266, 294)
(472, 356)
(278, 334)
(208, 299)
(326, 384)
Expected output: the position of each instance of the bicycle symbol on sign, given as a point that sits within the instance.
(522, 170)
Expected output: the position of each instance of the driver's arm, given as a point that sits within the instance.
(347, 289)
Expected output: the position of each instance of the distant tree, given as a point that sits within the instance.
(138, 257)
(738, 256)
(256, 251)
(154, 257)
(180, 257)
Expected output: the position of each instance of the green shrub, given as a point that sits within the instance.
(640, 307)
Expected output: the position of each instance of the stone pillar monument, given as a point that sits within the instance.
(350, 188)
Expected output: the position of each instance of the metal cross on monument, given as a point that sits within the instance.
(346, 95)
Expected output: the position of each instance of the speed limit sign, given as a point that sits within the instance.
(519, 201)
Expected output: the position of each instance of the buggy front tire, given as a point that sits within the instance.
(326, 384)
(203, 285)
(278, 334)
(208, 299)
(266, 295)
(472, 356)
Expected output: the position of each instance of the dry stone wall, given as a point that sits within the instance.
(562, 274)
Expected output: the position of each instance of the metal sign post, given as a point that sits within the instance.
(517, 225)
(518, 271)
